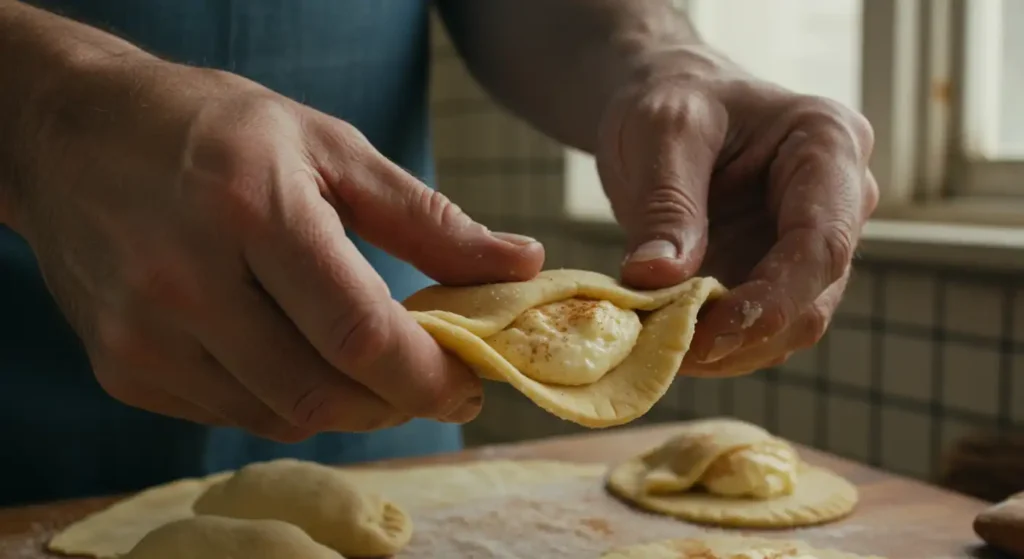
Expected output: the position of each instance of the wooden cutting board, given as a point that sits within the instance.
(897, 517)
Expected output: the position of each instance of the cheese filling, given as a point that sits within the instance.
(572, 342)
(761, 471)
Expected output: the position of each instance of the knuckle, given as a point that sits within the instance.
(312, 410)
(835, 123)
(438, 208)
(119, 342)
(839, 247)
(871, 195)
(815, 324)
(360, 338)
(665, 209)
(679, 110)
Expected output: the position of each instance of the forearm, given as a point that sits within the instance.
(557, 62)
(39, 52)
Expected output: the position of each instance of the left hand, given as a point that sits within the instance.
(713, 172)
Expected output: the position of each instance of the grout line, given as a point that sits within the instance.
(823, 391)
(771, 399)
(877, 344)
(1006, 361)
(936, 406)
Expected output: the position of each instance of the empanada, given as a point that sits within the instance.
(577, 343)
(321, 500)
(216, 537)
(732, 473)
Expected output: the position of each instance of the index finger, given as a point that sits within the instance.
(337, 300)
(818, 185)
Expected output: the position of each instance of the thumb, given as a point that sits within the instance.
(396, 212)
(657, 172)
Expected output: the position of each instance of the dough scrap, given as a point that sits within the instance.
(114, 531)
(215, 537)
(461, 319)
(728, 547)
(662, 480)
(322, 500)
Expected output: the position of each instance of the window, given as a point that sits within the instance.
(992, 116)
(942, 81)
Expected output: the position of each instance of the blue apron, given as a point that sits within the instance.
(365, 61)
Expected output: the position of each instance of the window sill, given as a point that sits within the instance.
(967, 235)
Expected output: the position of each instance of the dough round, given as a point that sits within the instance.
(820, 496)
(463, 320)
(215, 537)
(728, 547)
(728, 472)
(321, 500)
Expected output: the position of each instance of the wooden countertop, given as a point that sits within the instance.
(888, 502)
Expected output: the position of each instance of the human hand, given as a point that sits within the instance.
(711, 171)
(191, 226)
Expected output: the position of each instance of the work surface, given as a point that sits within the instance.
(897, 517)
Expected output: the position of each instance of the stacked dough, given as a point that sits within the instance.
(283, 509)
(577, 343)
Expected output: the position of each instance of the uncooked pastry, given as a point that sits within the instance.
(215, 537)
(112, 532)
(576, 343)
(1002, 525)
(731, 473)
(322, 500)
(729, 547)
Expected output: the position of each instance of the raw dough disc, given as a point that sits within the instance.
(216, 537)
(728, 547)
(115, 530)
(461, 318)
(820, 496)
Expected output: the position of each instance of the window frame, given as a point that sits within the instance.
(914, 78)
(913, 70)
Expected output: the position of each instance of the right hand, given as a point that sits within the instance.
(191, 226)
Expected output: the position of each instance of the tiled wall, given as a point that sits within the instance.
(915, 359)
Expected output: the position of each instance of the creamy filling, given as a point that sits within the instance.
(761, 471)
(571, 342)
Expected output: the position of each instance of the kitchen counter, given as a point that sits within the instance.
(899, 516)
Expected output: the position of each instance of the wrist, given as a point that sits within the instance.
(42, 58)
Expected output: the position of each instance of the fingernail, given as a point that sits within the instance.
(513, 238)
(723, 346)
(466, 412)
(654, 250)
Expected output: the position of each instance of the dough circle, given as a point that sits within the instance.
(461, 318)
(321, 500)
(728, 547)
(115, 530)
(215, 537)
(819, 495)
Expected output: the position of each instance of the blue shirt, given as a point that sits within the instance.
(364, 61)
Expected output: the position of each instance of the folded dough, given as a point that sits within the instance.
(321, 500)
(732, 473)
(214, 537)
(728, 547)
(577, 343)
